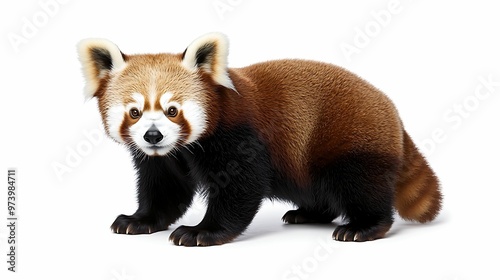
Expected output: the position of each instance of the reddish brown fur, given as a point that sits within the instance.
(293, 118)
(353, 112)
(417, 193)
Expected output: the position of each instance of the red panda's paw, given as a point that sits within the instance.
(136, 225)
(198, 236)
(301, 216)
(296, 217)
(350, 232)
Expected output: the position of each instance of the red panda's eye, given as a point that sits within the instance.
(172, 111)
(134, 113)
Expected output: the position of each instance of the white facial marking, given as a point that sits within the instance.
(138, 104)
(169, 130)
(164, 99)
(152, 93)
(193, 113)
(114, 121)
(139, 98)
(197, 119)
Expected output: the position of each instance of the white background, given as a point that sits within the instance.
(429, 57)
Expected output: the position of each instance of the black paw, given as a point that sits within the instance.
(351, 232)
(136, 225)
(197, 236)
(301, 216)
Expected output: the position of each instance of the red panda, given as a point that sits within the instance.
(305, 132)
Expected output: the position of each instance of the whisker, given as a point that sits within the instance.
(186, 147)
(199, 144)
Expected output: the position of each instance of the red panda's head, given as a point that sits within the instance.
(155, 102)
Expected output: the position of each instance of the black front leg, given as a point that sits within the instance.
(229, 213)
(164, 192)
(236, 173)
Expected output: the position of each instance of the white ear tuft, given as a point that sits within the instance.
(98, 57)
(209, 54)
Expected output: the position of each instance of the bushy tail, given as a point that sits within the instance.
(418, 197)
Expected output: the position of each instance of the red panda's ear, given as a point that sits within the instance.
(209, 53)
(98, 57)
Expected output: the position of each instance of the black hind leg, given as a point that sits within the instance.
(302, 216)
(364, 188)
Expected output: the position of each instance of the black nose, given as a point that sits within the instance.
(153, 135)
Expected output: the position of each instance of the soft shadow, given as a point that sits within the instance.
(402, 225)
(271, 227)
